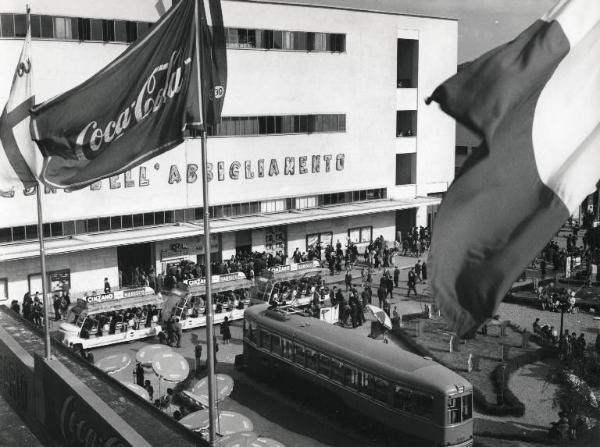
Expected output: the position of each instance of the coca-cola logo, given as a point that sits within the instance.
(75, 428)
(162, 85)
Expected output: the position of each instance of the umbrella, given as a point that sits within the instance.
(380, 316)
(140, 391)
(199, 394)
(147, 353)
(267, 442)
(170, 366)
(114, 363)
(228, 422)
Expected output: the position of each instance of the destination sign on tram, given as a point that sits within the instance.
(118, 294)
(215, 279)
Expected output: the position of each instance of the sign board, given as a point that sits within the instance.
(215, 279)
(119, 294)
(294, 267)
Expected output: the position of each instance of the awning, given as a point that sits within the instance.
(180, 230)
(124, 303)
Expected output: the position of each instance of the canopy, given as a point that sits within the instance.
(380, 316)
(139, 390)
(220, 287)
(170, 366)
(199, 393)
(119, 304)
(114, 363)
(147, 353)
(228, 422)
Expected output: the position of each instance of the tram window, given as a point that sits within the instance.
(460, 409)
(265, 340)
(276, 345)
(454, 410)
(299, 355)
(380, 389)
(311, 359)
(423, 405)
(467, 402)
(324, 364)
(367, 384)
(252, 328)
(351, 377)
(337, 370)
(402, 398)
(287, 349)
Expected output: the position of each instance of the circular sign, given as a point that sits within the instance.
(139, 390)
(197, 420)
(114, 363)
(224, 384)
(170, 366)
(147, 353)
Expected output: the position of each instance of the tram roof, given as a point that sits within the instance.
(364, 352)
(295, 274)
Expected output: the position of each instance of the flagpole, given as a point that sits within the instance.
(212, 411)
(40, 228)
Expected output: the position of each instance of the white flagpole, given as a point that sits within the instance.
(212, 411)
(40, 229)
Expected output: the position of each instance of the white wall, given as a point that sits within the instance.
(360, 83)
(88, 270)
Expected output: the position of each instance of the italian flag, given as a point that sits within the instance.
(535, 102)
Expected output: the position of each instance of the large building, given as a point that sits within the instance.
(325, 136)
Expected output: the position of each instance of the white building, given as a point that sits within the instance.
(325, 136)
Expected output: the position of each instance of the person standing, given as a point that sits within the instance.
(225, 331)
(348, 280)
(396, 276)
(424, 272)
(106, 286)
(215, 350)
(139, 374)
(412, 282)
(418, 270)
(177, 329)
(150, 389)
(198, 356)
(56, 305)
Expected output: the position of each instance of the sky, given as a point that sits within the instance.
(483, 24)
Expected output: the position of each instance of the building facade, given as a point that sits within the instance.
(325, 136)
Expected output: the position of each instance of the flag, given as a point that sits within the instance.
(535, 103)
(19, 158)
(138, 106)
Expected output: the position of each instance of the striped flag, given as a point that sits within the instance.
(535, 102)
(19, 158)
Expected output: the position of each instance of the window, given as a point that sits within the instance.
(405, 169)
(138, 220)
(407, 63)
(56, 229)
(104, 223)
(265, 340)
(406, 123)
(62, 28)
(324, 239)
(337, 370)
(361, 234)
(96, 29)
(8, 25)
(47, 27)
(276, 346)
(20, 25)
(299, 355)
(3, 289)
(460, 409)
(36, 25)
(407, 400)
(288, 349)
(324, 365)
(278, 125)
(120, 27)
(312, 359)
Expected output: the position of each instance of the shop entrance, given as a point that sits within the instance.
(243, 242)
(134, 260)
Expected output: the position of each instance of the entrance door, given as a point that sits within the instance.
(243, 242)
(133, 260)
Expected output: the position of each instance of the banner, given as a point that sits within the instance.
(136, 107)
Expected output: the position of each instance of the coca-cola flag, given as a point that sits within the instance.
(139, 105)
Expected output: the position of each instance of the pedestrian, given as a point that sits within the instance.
(56, 305)
(89, 356)
(198, 356)
(381, 294)
(106, 286)
(418, 270)
(396, 276)
(139, 374)
(348, 280)
(424, 271)
(215, 350)
(389, 287)
(412, 282)
(225, 331)
(178, 332)
(148, 387)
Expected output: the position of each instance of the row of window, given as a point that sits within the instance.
(282, 124)
(99, 224)
(73, 28)
(127, 31)
(390, 394)
(325, 238)
(284, 40)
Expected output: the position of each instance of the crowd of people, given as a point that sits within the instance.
(108, 323)
(556, 299)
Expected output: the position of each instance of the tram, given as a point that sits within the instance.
(230, 292)
(293, 283)
(110, 318)
(401, 390)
